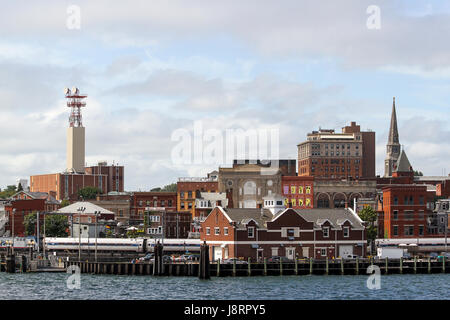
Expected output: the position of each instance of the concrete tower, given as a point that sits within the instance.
(75, 132)
(393, 145)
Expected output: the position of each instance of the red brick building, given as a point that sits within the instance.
(114, 174)
(24, 203)
(349, 155)
(188, 190)
(143, 202)
(298, 191)
(256, 233)
(406, 209)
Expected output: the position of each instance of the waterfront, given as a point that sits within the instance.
(52, 286)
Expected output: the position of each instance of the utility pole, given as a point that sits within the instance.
(96, 218)
(38, 233)
(13, 214)
(81, 209)
(43, 242)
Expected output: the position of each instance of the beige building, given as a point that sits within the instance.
(246, 185)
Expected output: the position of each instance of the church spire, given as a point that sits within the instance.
(393, 145)
(393, 131)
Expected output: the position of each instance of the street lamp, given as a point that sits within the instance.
(13, 214)
(96, 218)
(80, 209)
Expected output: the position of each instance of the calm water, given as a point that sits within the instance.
(50, 286)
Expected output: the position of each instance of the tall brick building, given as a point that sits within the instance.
(349, 155)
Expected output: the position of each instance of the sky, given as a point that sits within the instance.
(156, 70)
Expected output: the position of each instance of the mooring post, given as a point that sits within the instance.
(249, 267)
(310, 265)
(24, 264)
(218, 268)
(234, 267)
(296, 266)
(11, 264)
(429, 265)
(387, 266)
(401, 265)
(357, 265)
(443, 264)
(265, 266)
(281, 267)
(204, 262)
(415, 264)
(342, 266)
(326, 265)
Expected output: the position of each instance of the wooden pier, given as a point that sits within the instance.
(298, 267)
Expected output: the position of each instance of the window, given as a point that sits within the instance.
(182, 205)
(395, 231)
(182, 194)
(323, 252)
(421, 214)
(421, 230)
(170, 203)
(225, 231)
(155, 203)
(405, 200)
(409, 230)
(216, 231)
(190, 205)
(163, 203)
(189, 194)
(251, 232)
(396, 201)
(346, 232)
(208, 231)
(290, 232)
(326, 232)
(395, 215)
(409, 215)
(421, 200)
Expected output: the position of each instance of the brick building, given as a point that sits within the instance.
(24, 203)
(349, 155)
(143, 202)
(176, 225)
(298, 191)
(67, 185)
(114, 175)
(256, 233)
(189, 189)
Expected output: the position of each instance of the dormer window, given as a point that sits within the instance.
(346, 232)
(326, 232)
(251, 232)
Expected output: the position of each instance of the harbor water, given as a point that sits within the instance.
(53, 286)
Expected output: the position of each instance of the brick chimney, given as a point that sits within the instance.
(218, 203)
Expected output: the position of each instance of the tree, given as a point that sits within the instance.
(369, 215)
(64, 203)
(8, 192)
(170, 187)
(29, 223)
(418, 173)
(155, 189)
(56, 226)
(19, 188)
(89, 193)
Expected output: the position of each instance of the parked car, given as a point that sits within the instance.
(147, 257)
(231, 261)
(278, 259)
(350, 256)
(166, 259)
(194, 257)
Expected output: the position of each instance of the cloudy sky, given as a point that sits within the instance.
(151, 68)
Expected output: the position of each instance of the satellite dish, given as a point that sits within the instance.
(66, 91)
(75, 90)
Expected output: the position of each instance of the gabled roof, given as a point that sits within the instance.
(243, 216)
(90, 208)
(403, 164)
(318, 216)
(38, 195)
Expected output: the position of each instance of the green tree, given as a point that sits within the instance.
(8, 192)
(156, 189)
(89, 193)
(29, 223)
(418, 173)
(369, 215)
(56, 226)
(170, 187)
(64, 203)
